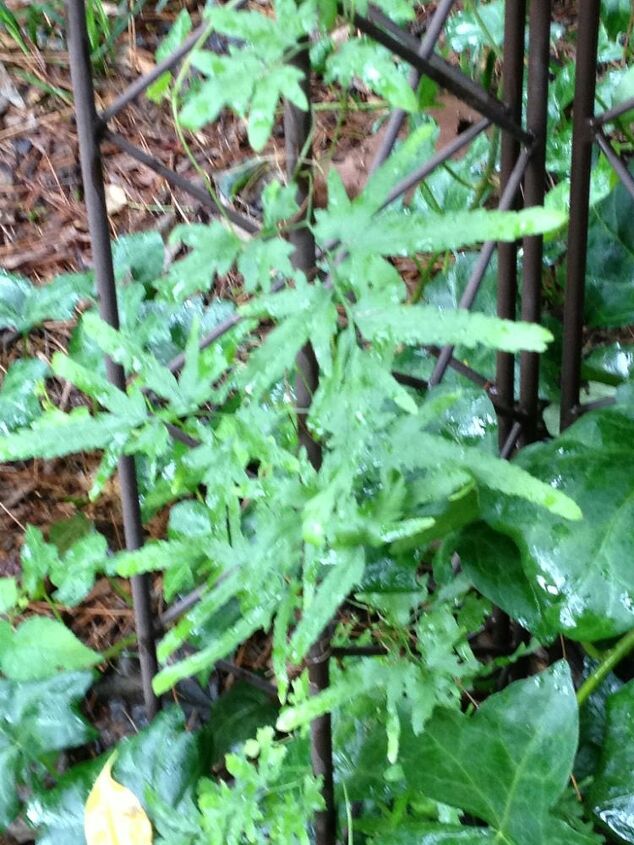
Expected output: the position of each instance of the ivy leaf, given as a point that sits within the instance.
(610, 269)
(36, 718)
(508, 763)
(581, 585)
(113, 814)
(19, 394)
(612, 792)
(42, 647)
(24, 306)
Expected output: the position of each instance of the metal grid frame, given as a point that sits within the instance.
(523, 176)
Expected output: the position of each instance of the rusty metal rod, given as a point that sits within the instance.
(178, 181)
(581, 167)
(94, 197)
(297, 132)
(143, 82)
(613, 113)
(512, 90)
(534, 191)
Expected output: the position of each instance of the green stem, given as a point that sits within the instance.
(611, 659)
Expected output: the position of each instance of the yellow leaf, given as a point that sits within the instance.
(113, 814)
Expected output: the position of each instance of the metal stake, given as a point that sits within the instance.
(512, 83)
(92, 175)
(534, 191)
(582, 137)
(297, 130)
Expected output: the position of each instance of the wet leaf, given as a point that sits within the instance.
(612, 792)
(19, 395)
(114, 815)
(508, 763)
(553, 576)
(41, 647)
(610, 271)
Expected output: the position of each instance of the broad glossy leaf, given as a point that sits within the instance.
(610, 269)
(612, 792)
(114, 815)
(43, 647)
(611, 364)
(162, 764)
(425, 833)
(551, 575)
(508, 763)
(36, 717)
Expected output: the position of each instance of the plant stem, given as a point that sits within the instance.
(611, 659)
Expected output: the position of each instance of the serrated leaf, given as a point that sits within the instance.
(347, 570)
(424, 325)
(56, 434)
(213, 249)
(375, 66)
(114, 815)
(390, 233)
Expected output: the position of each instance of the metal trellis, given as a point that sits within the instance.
(523, 179)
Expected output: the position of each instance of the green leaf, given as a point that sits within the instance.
(138, 257)
(346, 573)
(390, 233)
(214, 248)
(552, 576)
(375, 66)
(36, 718)
(58, 814)
(8, 595)
(20, 393)
(24, 306)
(612, 792)
(610, 364)
(421, 324)
(508, 763)
(279, 82)
(610, 268)
(41, 648)
(56, 434)
(237, 715)
(181, 28)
